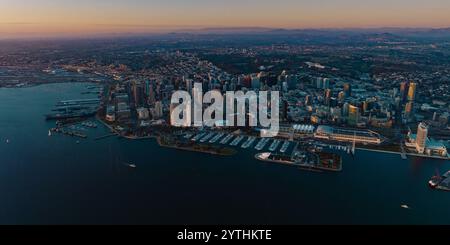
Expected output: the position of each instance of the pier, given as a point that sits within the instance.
(105, 136)
(226, 139)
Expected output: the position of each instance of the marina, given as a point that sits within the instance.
(216, 138)
(226, 139)
(236, 141)
(198, 136)
(69, 132)
(262, 143)
(285, 146)
(207, 137)
(274, 145)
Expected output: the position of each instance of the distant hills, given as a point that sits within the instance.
(391, 33)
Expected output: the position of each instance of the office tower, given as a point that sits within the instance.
(341, 96)
(138, 94)
(365, 106)
(404, 87)
(345, 109)
(421, 137)
(326, 83)
(319, 82)
(409, 109)
(158, 110)
(347, 90)
(353, 115)
(151, 95)
(412, 91)
(327, 96)
(256, 82)
(308, 100)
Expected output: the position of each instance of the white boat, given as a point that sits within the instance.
(7, 141)
(405, 206)
(132, 165)
(49, 133)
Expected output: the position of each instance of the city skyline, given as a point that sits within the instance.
(62, 18)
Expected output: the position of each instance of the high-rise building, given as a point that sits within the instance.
(319, 82)
(353, 115)
(256, 82)
(404, 87)
(341, 96)
(412, 91)
(158, 110)
(326, 83)
(422, 137)
(347, 90)
(327, 96)
(138, 94)
(308, 100)
(409, 109)
(345, 109)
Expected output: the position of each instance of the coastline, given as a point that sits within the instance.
(407, 154)
(161, 144)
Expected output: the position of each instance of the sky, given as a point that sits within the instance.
(88, 17)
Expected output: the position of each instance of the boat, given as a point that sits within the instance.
(7, 141)
(49, 133)
(132, 165)
(78, 142)
(405, 206)
(440, 182)
(434, 181)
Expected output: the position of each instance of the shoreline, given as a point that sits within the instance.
(301, 166)
(407, 154)
(158, 140)
(182, 148)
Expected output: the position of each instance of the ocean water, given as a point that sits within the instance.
(53, 180)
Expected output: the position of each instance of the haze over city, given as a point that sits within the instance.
(68, 18)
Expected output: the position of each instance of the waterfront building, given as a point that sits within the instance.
(422, 136)
(111, 113)
(123, 111)
(425, 145)
(348, 135)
